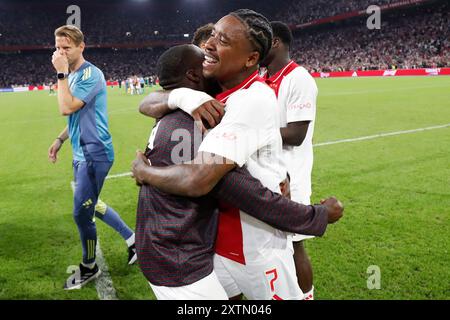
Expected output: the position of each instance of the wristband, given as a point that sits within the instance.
(61, 140)
(187, 100)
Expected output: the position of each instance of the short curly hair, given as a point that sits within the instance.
(281, 30)
(202, 34)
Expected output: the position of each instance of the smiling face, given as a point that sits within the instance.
(229, 54)
(67, 46)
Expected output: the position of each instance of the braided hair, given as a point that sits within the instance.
(259, 30)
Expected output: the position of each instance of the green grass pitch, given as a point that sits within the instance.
(396, 191)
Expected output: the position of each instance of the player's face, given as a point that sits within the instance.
(66, 46)
(228, 51)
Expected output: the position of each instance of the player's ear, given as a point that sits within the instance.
(193, 76)
(82, 46)
(276, 43)
(252, 59)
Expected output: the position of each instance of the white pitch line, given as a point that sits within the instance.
(120, 175)
(396, 89)
(103, 284)
(381, 135)
(321, 144)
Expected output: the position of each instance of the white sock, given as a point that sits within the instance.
(130, 240)
(89, 265)
(309, 295)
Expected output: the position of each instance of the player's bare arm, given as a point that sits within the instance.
(155, 104)
(57, 144)
(294, 133)
(67, 103)
(206, 111)
(191, 179)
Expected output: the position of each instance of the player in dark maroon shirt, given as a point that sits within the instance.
(175, 235)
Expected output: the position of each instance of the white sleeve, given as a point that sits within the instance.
(301, 92)
(242, 130)
(187, 99)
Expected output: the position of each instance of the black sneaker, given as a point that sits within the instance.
(81, 276)
(132, 256)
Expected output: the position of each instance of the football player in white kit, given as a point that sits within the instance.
(296, 92)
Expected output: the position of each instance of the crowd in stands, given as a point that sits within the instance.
(418, 39)
(414, 38)
(112, 22)
(298, 12)
(36, 68)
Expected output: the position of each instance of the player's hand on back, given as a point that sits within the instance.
(335, 209)
(138, 167)
(209, 114)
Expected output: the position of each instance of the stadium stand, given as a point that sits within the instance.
(125, 38)
(297, 12)
(35, 68)
(416, 38)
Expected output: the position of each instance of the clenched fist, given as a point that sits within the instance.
(335, 209)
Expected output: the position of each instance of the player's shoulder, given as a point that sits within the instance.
(259, 95)
(260, 101)
(260, 91)
(300, 77)
(261, 86)
(257, 103)
(175, 125)
(91, 71)
(177, 115)
(177, 119)
(300, 74)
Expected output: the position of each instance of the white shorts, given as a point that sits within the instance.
(300, 237)
(273, 279)
(208, 288)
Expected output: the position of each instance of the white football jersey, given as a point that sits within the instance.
(297, 92)
(249, 135)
